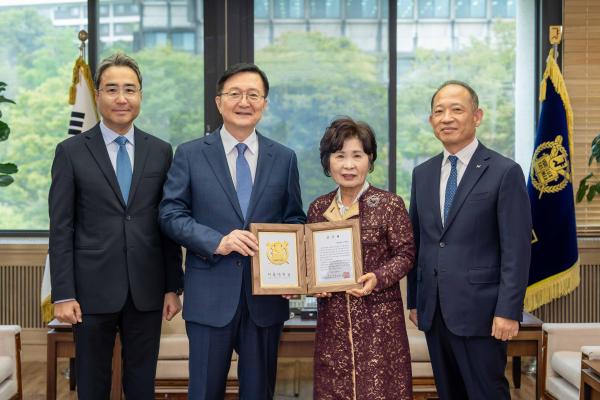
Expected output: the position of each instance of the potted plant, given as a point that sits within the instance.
(589, 190)
(6, 169)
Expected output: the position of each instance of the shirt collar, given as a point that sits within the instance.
(109, 135)
(338, 196)
(465, 154)
(229, 142)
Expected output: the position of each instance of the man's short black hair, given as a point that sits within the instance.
(238, 68)
(472, 92)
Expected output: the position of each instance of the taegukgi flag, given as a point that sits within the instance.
(83, 117)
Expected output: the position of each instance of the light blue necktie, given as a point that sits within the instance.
(243, 178)
(451, 186)
(123, 167)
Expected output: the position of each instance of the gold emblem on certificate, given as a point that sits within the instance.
(277, 252)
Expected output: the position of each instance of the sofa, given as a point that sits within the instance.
(10, 362)
(563, 345)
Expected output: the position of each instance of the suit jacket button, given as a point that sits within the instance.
(238, 263)
(442, 244)
(128, 218)
(435, 271)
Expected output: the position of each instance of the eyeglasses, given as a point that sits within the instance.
(236, 95)
(114, 91)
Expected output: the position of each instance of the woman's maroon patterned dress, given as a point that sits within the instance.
(361, 349)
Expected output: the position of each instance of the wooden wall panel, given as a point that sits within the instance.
(581, 69)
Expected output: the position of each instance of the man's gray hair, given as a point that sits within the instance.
(474, 97)
(117, 60)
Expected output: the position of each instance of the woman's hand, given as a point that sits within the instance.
(369, 281)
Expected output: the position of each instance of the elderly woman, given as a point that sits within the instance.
(361, 349)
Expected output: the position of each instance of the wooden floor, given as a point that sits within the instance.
(34, 381)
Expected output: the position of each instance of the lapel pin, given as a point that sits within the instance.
(478, 166)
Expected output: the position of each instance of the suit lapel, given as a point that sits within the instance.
(476, 168)
(140, 154)
(215, 154)
(97, 147)
(261, 177)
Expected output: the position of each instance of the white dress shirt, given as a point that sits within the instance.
(112, 147)
(251, 153)
(464, 156)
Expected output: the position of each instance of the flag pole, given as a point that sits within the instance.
(83, 36)
(555, 38)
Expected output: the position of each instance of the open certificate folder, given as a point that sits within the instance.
(305, 259)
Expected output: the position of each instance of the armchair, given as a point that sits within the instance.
(561, 368)
(10, 362)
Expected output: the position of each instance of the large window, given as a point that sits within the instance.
(165, 37)
(38, 47)
(481, 53)
(434, 8)
(471, 8)
(36, 61)
(324, 59)
(325, 8)
(319, 70)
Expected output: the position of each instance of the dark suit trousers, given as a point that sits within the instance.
(94, 342)
(466, 368)
(210, 357)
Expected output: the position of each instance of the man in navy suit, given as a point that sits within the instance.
(216, 187)
(472, 224)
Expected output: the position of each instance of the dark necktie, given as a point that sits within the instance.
(243, 178)
(451, 186)
(123, 167)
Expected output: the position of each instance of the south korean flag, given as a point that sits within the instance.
(83, 115)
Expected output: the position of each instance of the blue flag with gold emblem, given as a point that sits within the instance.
(554, 270)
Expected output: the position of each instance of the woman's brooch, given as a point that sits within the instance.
(373, 201)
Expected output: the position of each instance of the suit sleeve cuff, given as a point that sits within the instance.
(62, 301)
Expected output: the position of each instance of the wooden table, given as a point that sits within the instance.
(527, 343)
(590, 380)
(60, 344)
(298, 340)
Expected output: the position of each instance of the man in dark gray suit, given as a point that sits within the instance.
(472, 224)
(111, 268)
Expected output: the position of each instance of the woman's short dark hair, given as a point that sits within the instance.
(338, 132)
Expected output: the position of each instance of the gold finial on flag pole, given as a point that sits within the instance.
(555, 36)
(83, 36)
